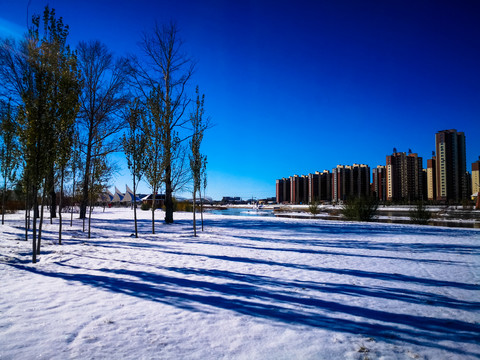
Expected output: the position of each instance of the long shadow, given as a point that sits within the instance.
(282, 306)
(333, 227)
(303, 250)
(388, 293)
(357, 273)
(303, 233)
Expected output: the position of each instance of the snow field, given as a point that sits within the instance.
(246, 288)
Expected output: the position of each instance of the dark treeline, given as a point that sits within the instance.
(63, 111)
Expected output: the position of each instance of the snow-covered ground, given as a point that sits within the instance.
(245, 288)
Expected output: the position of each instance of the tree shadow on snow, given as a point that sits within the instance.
(277, 300)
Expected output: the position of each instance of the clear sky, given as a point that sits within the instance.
(299, 86)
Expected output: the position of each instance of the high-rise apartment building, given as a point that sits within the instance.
(340, 183)
(360, 183)
(379, 183)
(299, 189)
(451, 169)
(431, 178)
(404, 177)
(319, 185)
(350, 181)
(476, 177)
(283, 190)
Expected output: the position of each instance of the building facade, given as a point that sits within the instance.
(432, 178)
(451, 169)
(319, 186)
(299, 189)
(379, 183)
(404, 177)
(350, 181)
(283, 190)
(476, 177)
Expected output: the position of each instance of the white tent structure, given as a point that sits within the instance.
(118, 197)
(106, 196)
(128, 196)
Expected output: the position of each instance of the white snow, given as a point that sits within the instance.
(245, 288)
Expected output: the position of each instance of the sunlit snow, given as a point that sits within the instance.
(245, 288)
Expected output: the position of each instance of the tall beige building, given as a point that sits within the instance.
(476, 177)
(431, 179)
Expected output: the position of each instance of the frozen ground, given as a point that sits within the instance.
(246, 288)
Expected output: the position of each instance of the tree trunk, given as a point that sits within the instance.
(3, 198)
(90, 219)
(135, 208)
(201, 204)
(73, 200)
(40, 225)
(86, 181)
(168, 196)
(154, 204)
(34, 226)
(52, 195)
(60, 209)
(27, 213)
(194, 219)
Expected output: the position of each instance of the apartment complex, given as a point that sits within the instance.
(299, 189)
(432, 178)
(283, 190)
(451, 172)
(319, 186)
(403, 178)
(350, 181)
(476, 177)
(379, 183)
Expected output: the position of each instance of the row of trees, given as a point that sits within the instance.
(63, 111)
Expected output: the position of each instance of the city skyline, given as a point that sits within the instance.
(403, 177)
(298, 89)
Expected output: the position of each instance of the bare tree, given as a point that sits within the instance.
(167, 71)
(102, 99)
(9, 149)
(199, 125)
(134, 146)
(40, 75)
(154, 147)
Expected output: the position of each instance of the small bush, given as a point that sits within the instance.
(314, 208)
(419, 215)
(145, 206)
(360, 209)
(183, 206)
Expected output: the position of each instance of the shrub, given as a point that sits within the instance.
(419, 214)
(360, 208)
(314, 208)
(183, 206)
(145, 206)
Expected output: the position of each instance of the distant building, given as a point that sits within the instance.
(231, 200)
(476, 177)
(360, 182)
(432, 178)
(350, 181)
(379, 183)
(283, 191)
(340, 183)
(451, 169)
(159, 200)
(404, 177)
(319, 186)
(299, 189)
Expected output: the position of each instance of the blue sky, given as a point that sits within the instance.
(298, 86)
